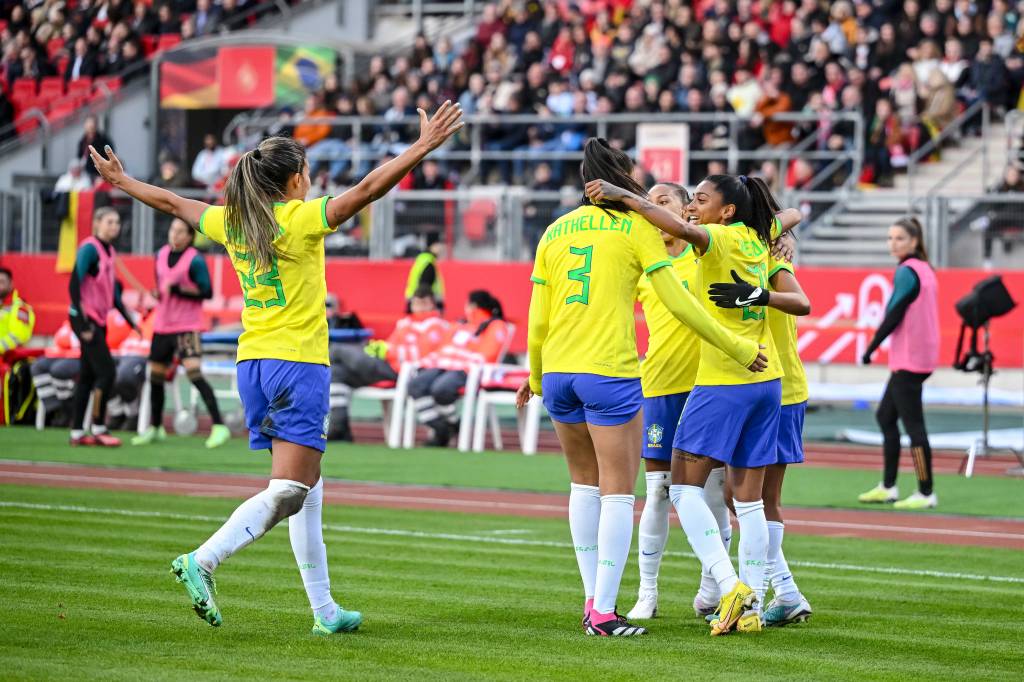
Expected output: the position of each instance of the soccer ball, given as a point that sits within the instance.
(184, 423)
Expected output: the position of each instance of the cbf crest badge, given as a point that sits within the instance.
(654, 434)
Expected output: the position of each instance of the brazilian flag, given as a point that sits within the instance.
(300, 71)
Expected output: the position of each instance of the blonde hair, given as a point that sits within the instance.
(255, 183)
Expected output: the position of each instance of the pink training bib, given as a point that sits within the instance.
(914, 344)
(176, 314)
(97, 293)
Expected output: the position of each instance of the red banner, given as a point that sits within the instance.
(847, 304)
(246, 76)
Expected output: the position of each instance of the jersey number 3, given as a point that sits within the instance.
(581, 275)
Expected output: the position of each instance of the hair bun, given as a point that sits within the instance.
(743, 179)
(257, 154)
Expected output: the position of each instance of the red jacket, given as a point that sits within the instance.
(415, 337)
(463, 348)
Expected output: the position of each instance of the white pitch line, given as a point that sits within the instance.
(491, 539)
(198, 487)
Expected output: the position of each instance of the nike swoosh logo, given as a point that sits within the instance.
(743, 303)
(648, 553)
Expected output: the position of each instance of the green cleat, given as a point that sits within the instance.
(345, 621)
(219, 435)
(153, 433)
(879, 495)
(200, 585)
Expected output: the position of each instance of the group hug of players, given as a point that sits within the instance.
(715, 410)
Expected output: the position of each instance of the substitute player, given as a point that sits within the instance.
(275, 242)
(788, 604)
(730, 416)
(582, 349)
(182, 283)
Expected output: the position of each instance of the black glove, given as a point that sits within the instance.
(738, 295)
(866, 358)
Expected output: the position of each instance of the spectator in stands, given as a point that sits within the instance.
(480, 338)
(143, 22)
(773, 101)
(29, 66)
(74, 180)
(206, 17)
(954, 67)
(988, 79)
(84, 63)
(131, 57)
(1002, 39)
(310, 131)
(1001, 220)
(210, 164)
(903, 94)
(415, 336)
(939, 108)
(6, 117)
(171, 175)
(167, 20)
(884, 135)
(92, 135)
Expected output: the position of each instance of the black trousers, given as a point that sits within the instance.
(902, 402)
(97, 371)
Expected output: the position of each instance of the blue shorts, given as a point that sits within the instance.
(661, 417)
(791, 434)
(591, 398)
(738, 425)
(285, 400)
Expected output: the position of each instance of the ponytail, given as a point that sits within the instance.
(755, 205)
(602, 162)
(912, 226)
(255, 183)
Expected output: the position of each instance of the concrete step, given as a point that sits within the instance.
(849, 260)
(860, 246)
(880, 220)
(832, 232)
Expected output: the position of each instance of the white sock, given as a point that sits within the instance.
(778, 572)
(584, 518)
(98, 430)
(703, 533)
(714, 497)
(251, 520)
(614, 536)
(77, 433)
(753, 552)
(306, 531)
(653, 533)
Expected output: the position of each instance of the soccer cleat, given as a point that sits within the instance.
(345, 621)
(106, 440)
(587, 606)
(918, 501)
(778, 613)
(153, 433)
(219, 435)
(85, 440)
(702, 607)
(616, 626)
(880, 495)
(200, 586)
(750, 621)
(732, 607)
(646, 606)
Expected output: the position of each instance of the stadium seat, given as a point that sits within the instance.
(167, 41)
(113, 83)
(80, 86)
(53, 46)
(23, 88)
(498, 386)
(149, 43)
(392, 395)
(477, 218)
(51, 87)
(62, 65)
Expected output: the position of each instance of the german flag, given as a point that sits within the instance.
(188, 80)
(75, 226)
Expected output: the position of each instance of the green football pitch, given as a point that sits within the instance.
(446, 596)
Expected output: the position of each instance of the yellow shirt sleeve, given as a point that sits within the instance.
(777, 264)
(310, 217)
(211, 224)
(650, 248)
(537, 331)
(540, 269)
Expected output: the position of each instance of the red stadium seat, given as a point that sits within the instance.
(23, 87)
(61, 109)
(80, 86)
(149, 44)
(62, 65)
(51, 88)
(26, 125)
(167, 41)
(476, 218)
(113, 83)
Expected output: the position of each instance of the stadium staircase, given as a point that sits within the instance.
(853, 233)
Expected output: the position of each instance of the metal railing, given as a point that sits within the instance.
(991, 217)
(475, 149)
(955, 128)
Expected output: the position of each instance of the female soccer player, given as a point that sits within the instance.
(94, 292)
(666, 377)
(730, 416)
(582, 348)
(182, 283)
(275, 241)
(912, 318)
(788, 604)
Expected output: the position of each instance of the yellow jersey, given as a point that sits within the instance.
(734, 247)
(591, 260)
(285, 315)
(783, 328)
(673, 351)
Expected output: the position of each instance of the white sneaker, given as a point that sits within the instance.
(779, 612)
(918, 501)
(646, 606)
(702, 606)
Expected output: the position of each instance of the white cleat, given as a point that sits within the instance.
(779, 612)
(703, 607)
(646, 606)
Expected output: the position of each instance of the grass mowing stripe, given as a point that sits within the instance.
(458, 537)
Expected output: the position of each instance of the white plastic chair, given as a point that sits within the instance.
(393, 397)
(498, 387)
